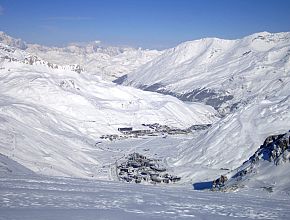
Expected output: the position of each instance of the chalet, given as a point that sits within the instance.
(140, 132)
(158, 169)
(175, 179)
(156, 179)
(125, 130)
(124, 170)
(166, 180)
(135, 164)
(138, 181)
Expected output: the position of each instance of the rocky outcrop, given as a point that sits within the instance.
(275, 150)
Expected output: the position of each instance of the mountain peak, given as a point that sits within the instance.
(269, 36)
(10, 41)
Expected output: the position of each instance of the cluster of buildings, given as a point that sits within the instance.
(112, 137)
(165, 129)
(140, 169)
(154, 129)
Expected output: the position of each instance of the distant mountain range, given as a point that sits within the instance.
(109, 62)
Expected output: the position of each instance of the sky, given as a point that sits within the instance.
(140, 23)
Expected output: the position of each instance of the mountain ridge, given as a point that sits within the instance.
(214, 71)
(108, 62)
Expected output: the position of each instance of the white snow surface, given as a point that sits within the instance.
(257, 65)
(33, 197)
(231, 141)
(255, 70)
(51, 118)
(108, 62)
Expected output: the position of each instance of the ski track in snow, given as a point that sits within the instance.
(36, 197)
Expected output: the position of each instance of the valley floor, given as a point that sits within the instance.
(37, 197)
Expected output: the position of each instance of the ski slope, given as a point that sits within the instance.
(29, 197)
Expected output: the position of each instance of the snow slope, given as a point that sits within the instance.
(246, 80)
(10, 167)
(268, 168)
(51, 118)
(231, 141)
(221, 73)
(25, 195)
(106, 61)
(40, 198)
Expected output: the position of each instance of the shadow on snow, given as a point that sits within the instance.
(202, 185)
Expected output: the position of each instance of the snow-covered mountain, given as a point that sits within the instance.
(246, 80)
(267, 168)
(11, 56)
(109, 62)
(231, 141)
(52, 116)
(13, 42)
(225, 74)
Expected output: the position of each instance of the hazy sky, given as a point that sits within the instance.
(146, 23)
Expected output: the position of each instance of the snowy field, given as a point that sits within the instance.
(28, 196)
(37, 197)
